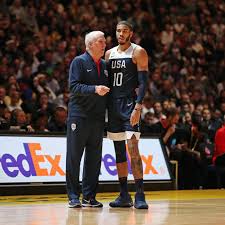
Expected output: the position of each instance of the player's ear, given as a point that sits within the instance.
(131, 34)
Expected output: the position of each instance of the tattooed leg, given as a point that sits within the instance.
(136, 163)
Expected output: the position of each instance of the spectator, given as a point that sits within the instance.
(219, 151)
(2, 96)
(19, 121)
(147, 122)
(209, 125)
(146, 107)
(15, 101)
(4, 118)
(41, 86)
(167, 36)
(157, 107)
(57, 123)
(62, 99)
(187, 119)
(43, 104)
(40, 123)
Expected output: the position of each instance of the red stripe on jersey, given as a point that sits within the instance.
(98, 67)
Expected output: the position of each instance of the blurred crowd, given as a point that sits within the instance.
(185, 41)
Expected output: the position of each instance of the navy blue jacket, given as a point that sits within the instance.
(83, 77)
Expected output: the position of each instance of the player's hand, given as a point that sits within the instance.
(101, 90)
(135, 117)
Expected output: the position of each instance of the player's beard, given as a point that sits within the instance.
(126, 40)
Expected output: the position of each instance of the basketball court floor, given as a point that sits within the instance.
(165, 207)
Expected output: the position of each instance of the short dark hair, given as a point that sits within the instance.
(126, 23)
(172, 112)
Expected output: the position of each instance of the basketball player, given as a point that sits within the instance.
(128, 69)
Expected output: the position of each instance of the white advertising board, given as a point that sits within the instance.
(43, 159)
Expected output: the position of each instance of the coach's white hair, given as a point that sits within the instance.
(92, 37)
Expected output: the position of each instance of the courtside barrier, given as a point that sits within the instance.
(40, 159)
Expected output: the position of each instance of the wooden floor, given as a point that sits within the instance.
(166, 207)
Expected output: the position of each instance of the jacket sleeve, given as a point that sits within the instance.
(76, 85)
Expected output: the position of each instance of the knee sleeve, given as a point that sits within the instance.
(120, 150)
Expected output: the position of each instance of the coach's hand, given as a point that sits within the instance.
(101, 90)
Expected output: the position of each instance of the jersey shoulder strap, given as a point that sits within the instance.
(128, 53)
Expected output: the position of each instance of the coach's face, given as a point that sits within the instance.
(98, 46)
(123, 34)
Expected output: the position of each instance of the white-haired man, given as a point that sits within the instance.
(88, 82)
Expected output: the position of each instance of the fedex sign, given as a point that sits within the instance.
(43, 159)
(110, 164)
(12, 166)
(153, 160)
(32, 159)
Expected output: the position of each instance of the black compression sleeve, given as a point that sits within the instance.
(143, 81)
(120, 150)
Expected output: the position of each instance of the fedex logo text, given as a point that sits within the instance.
(110, 164)
(12, 166)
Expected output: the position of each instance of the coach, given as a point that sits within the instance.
(88, 81)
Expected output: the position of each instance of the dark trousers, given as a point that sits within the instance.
(83, 133)
(190, 169)
(220, 160)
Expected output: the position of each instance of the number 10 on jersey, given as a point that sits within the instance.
(117, 79)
